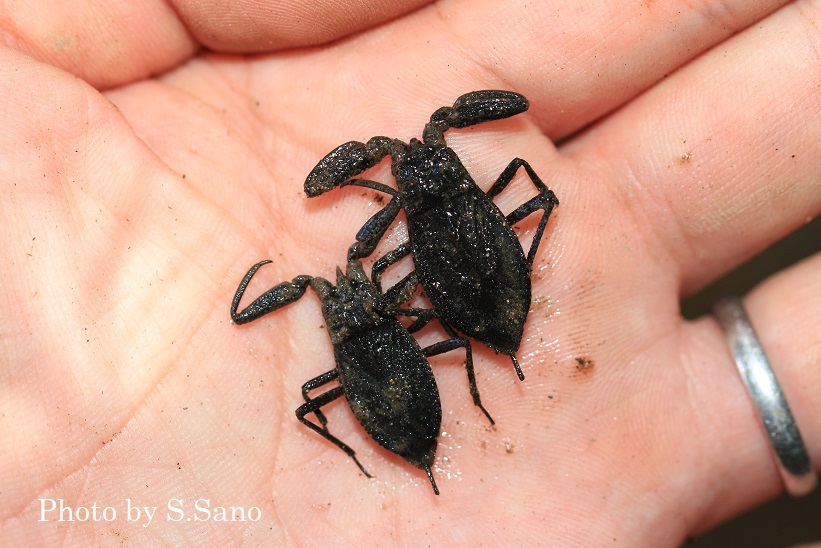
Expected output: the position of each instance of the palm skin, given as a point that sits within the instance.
(135, 203)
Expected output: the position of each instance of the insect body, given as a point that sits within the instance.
(383, 372)
(467, 257)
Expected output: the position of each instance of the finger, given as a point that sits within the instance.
(97, 285)
(252, 25)
(740, 467)
(786, 312)
(577, 61)
(111, 43)
(721, 159)
(104, 42)
(575, 64)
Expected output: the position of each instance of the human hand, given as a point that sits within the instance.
(129, 228)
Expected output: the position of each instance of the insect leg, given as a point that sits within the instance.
(273, 299)
(374, 228)
(451, 344)
(344, 162)
(423, 317)
(373, 185)
(473, 108)
(401, 292)
(387, 260)
(311, 406)
(545, 201)
(315, 383)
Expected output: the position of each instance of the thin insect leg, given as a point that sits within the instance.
(541, 201)
(423, 315)
(387, 260)
(311, 407)
(373, 185)
(451, 344)
(374, 228)
(401, 292)
(507, 175)
(273, 299)
(545, 201)
(315, 383)
(537, 237)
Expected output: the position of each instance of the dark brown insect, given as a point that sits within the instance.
(467, 257)
(382, 370)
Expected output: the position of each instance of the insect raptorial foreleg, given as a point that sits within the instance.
(344, 162)
(545, 201)
(312, 406)
(273, 299)
(473, 108)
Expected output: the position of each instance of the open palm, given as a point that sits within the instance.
(689, 140)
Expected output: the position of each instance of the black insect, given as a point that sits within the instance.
(383, 372)
(467, 257)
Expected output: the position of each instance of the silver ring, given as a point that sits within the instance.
(794, 463)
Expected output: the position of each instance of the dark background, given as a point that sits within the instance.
(785, 521)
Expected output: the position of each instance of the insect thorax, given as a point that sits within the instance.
(428, 175)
